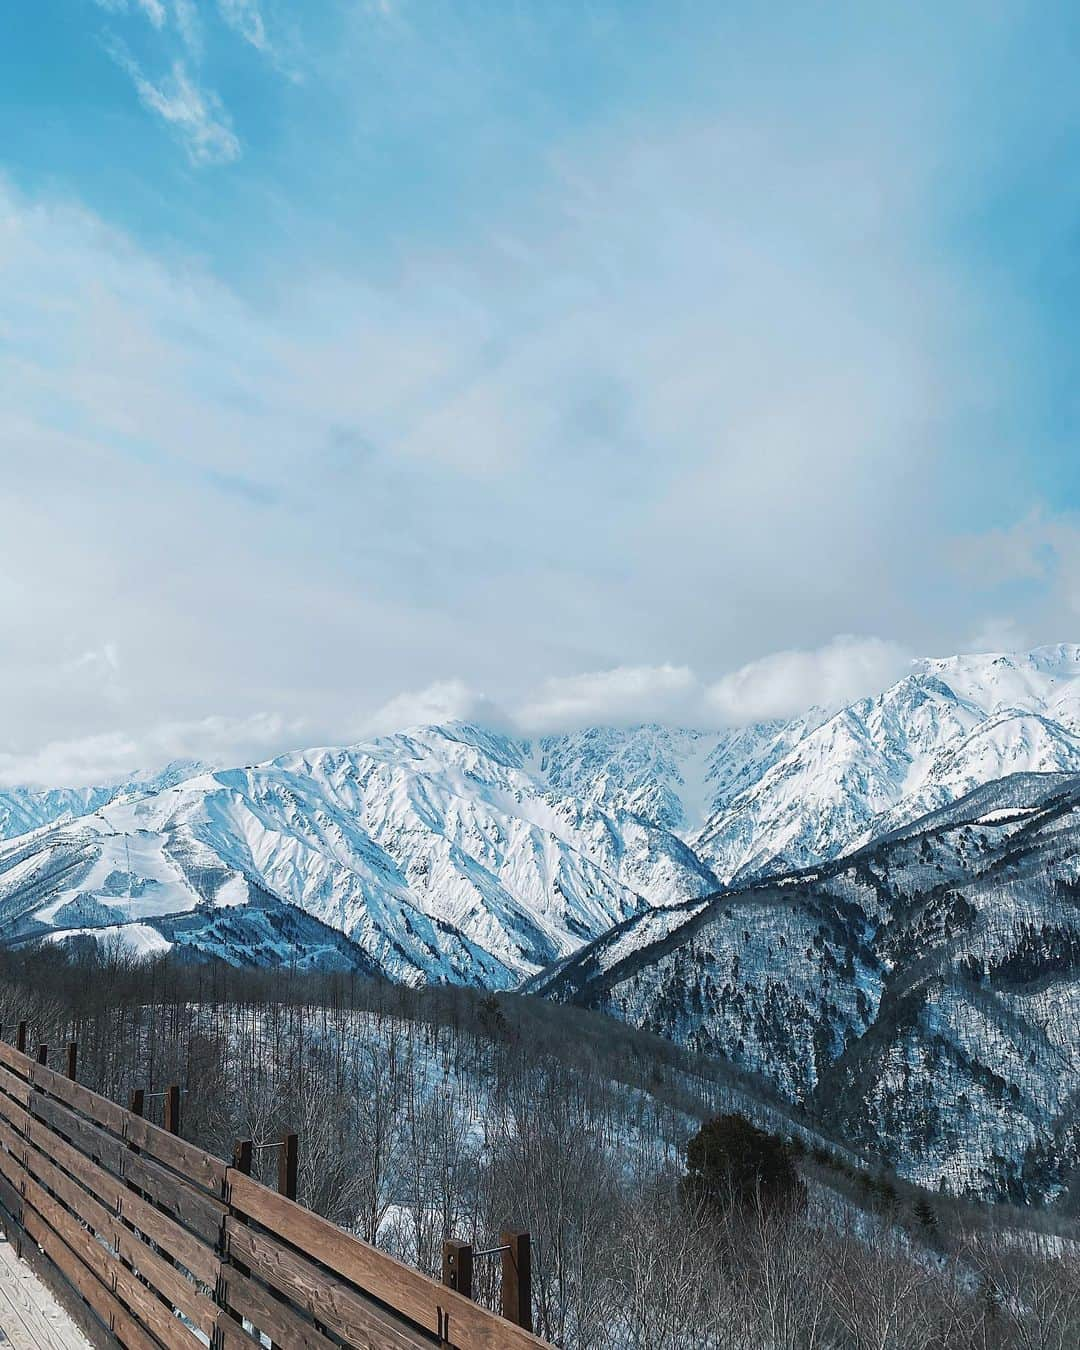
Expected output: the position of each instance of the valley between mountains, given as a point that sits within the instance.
(876, 909)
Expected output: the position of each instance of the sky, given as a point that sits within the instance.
(365, 362)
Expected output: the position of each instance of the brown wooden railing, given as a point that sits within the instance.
(157, 1245)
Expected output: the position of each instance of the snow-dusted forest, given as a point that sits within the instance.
(431, 1114)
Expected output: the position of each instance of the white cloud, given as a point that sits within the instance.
(196, 115)
(998, 633)
(626, 694)
(113, 756)
(444, 701)
(783, 684)
(687, 417)
(790, 682)
(245, 17)
(1037, 558)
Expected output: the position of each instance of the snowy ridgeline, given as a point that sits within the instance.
(462, 854)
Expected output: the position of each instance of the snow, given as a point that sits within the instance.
(1006, 813)
(138, 938)
(943, 730)
(461, 853)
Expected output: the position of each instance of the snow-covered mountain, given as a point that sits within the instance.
(439, 854)
(463, 854)
(921, 995)
(942, 730)
(23, 809)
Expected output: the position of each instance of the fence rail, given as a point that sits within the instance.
(161, 1246)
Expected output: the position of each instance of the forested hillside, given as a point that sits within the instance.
(434, 1113)
(922, 995)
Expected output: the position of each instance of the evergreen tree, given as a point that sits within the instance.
(730, 1160)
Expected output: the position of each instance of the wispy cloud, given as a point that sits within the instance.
(245, 17)
(188, 25)
(196, 115)
(153, 9)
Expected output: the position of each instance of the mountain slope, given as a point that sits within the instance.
(933, 736)
(23, 809)
(922, 993)
(435, 852)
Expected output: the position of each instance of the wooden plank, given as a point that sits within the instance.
(11, 1138)
(153, 1198)
(99, 1109)
(288, 1158)
(165, 1231)
(11, 1201)
(270, 1315)
(90, 1139)
(198, 1211)
(330, 1301)
(172, 1108)
(101, 1183)
(12, 1170)
(413, 1294)
(141, 1301)
(82, 1242)
(80, 1201)
(203, 1262)
(29, 1315)
(108, 1309)
(166, 1278)
(13, 1086)
(457, 1266)
(14, 1115)
(21, 1064)
(516, 1277)
(196, 1166)
(233, 1337)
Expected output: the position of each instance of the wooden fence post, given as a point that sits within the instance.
(517, 1278)
(20, 1038)
(172, 1109)
(43, 1054)
(241, 1161)
(287, 1160)
(457, 1267)
(72, 1058)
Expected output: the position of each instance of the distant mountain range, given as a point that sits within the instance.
(459, 853)
(875, 908)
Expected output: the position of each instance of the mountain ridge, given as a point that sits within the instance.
(465, 854)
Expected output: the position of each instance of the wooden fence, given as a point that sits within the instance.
(157, 1245)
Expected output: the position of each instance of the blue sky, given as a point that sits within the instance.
(371, 360)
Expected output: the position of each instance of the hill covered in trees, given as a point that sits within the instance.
(431, 1113)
